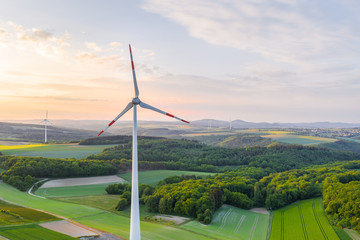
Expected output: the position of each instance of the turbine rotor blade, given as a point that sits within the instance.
(144, 105)
(127, 108)
(133, 72)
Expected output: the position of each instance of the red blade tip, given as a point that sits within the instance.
(111, 123)
(100, 133)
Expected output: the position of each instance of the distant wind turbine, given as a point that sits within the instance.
(230, 123)
(135, 216)
(46, 121)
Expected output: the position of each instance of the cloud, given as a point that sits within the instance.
(115, 44)
(4, 33)
(277, 29)
(110, 60)
(4, 37)
(41, 41)
(93, 46)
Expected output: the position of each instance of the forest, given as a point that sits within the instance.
(341, 195)
(249, 187)
(172, 154)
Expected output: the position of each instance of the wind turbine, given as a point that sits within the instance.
(46, 121)
(135, 216)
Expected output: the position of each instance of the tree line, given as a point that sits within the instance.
(173, 154)
(22, 172)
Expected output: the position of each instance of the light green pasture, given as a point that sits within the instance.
(233, 223)
(54, 150)
(60, 208)
(72, 191)
(120, 226)
(299, 139)
(154, 176)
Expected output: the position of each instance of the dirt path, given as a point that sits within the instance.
(29, 192)
(171, 218)
(260, 210)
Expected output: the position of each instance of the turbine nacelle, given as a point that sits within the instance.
(136, 101)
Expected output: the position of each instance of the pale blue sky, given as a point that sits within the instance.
(255, 60)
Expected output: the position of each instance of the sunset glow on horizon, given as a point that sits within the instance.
(255, 60)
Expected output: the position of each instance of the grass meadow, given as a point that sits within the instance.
(299, 139)
(31, 232)
(352, 234)
(105, 202)
(233, 223)
(154, 176)
(60, 208)
(120, 226)
(73, 191)
(53, 150)
(301, 221)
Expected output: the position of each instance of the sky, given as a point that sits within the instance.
(254, 60)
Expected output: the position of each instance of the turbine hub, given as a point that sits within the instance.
(136, 101)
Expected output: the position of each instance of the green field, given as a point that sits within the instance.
(302, 220)
(299, 139)
(60, 208)
(96, 218)
(31, 232)
(154, 176)
(73, 191)
(15, 214)
(233, 223)
(353, 234)
(120, 226)
(105, 202)
(53, 150)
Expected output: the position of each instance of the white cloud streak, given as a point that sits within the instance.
(276, 29)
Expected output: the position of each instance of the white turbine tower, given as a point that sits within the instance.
(45, 121)
(135, 215)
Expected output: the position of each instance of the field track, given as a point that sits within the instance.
(318, 222)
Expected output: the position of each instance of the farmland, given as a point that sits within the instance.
(233, 223)
(105, 202)
(153, 177)
(69, 187)
(31, 232)
(93, 217)
(53, 150)
(71, 191)
(289, 138)
(120, 225)
(63, 209)
(302, 220)
(14, 214)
